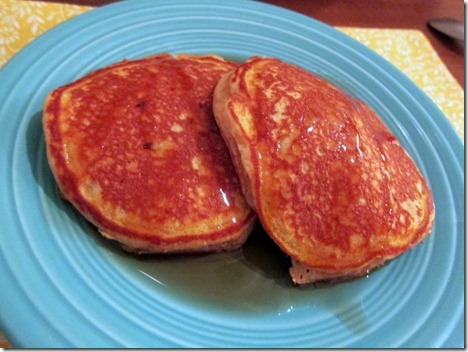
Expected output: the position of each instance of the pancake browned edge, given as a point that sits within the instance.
(331, 184)
(135, 148)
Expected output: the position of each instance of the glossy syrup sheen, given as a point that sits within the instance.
(329, 174)
(253, 279)
(244, 283)
(152, 151)
(138, 140)
(250, 282)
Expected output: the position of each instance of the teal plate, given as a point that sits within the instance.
(62, 285)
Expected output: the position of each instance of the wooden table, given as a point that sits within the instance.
(402, 14)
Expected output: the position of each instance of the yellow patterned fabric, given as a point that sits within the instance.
(22, 21)
(409, 50)
(412, 53)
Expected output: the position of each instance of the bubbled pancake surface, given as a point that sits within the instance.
(331, 184)
(134, 146)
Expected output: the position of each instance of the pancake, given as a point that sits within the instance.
(135, 148)
(331, 184)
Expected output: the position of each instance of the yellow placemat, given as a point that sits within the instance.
(412, 53)
(22, 21)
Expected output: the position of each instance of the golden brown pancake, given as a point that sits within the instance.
(135, 148)
(331, 184)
